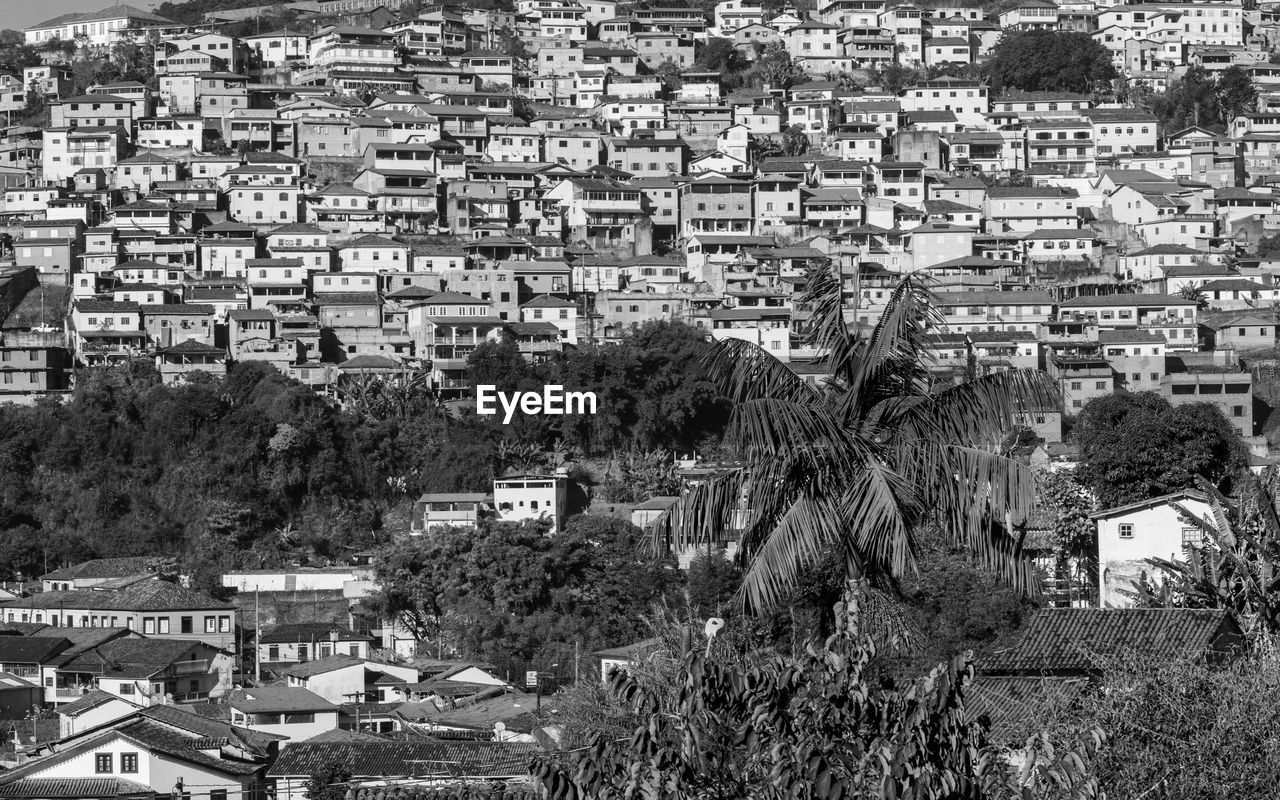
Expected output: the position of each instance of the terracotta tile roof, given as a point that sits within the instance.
(87, 702)
(147, 595)
(1070, 640)
(288, 633)
(74, 788)
(133, 657)
(278, 700)
(31, 649)
(1009, 701)
(390, 759)
(322, 665)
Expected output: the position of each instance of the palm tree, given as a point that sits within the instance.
(861, 461)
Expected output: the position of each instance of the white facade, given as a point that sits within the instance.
(520, 497)
(1129, 535)
(302, 580)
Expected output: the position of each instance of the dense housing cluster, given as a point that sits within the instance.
(364, 190)
(382, 187)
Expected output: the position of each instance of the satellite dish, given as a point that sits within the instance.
(499, 727)
(713, 626)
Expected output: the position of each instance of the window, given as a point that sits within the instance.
(126, 689)
(1191, 538)
(164, 625)
(1126, 530)
(209, 624)
(149, 625)
(185, 625)
(104, 763)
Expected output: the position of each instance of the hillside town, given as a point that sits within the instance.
(383, 199)
(376, 190)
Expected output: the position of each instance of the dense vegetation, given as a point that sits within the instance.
(1200, 98)
(1135, 446)
(1049, 61)
(256, 469)
(720, 723)
(512, 590)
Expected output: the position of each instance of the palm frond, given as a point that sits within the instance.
(794, 543)
(744, 371)
(828, 331)
(770, 428)
(882, 507)
(983, 409)
(706, 510)
(978, 493)
(890, 363)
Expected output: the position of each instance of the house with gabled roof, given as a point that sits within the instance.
(555, 311)
(1130, 534)
(90, 710)
(289, 711)
(297, 642)
(147, 752)
(343, 678)
(151, 607)
(148, 671)
(179, 361)
(1241, 332)
(88, 574)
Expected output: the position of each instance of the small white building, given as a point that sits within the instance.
(1128, 535)
(92, 709)
(556, 311)
(283, 710)
(520, 497)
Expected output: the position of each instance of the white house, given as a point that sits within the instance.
(521, 497)
(158, 751)
(93, 709)
(283, 710)
(342, 678)
(557, 311)
(1128, 535)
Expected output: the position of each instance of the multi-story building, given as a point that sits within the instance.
(152, 607)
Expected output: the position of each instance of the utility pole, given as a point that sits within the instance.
(257, 636)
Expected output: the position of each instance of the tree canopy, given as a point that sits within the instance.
(1049, 61)
(1135, 446)
(1200, 98)
(509, 590)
